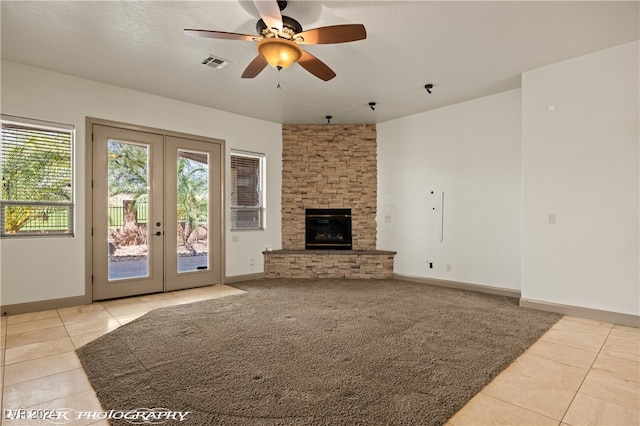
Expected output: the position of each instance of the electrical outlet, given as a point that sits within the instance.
(251, 262)
(448, 267)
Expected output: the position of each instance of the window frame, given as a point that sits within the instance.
(42, 125)
(260, 208)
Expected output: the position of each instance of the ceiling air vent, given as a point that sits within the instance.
(215, 62)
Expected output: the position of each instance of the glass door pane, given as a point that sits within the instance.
(193, 212)
(128, 196)
(127, 212)
(192, 180)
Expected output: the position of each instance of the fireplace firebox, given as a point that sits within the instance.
(328, 229)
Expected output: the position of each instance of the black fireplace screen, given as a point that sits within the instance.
(328, 229)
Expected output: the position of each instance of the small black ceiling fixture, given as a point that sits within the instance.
(428, 87)
(328, 117)
(372, 105)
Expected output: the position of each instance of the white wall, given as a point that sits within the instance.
(42, 269)
(501, 178)
(582, 163)
(471, 151)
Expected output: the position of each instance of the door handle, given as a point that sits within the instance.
(158, 233)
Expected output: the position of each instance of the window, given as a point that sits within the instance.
(37, 178)
(247, 195)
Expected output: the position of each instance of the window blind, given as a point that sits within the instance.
(247, 209)
(37, 179)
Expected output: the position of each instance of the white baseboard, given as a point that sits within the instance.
(44, 305)
(246, 277)
(578, 311)
(500, 291)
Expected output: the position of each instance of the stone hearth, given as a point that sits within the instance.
(376, 264)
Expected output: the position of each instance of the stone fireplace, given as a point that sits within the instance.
(329, 167)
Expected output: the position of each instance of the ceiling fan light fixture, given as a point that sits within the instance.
(279, 53)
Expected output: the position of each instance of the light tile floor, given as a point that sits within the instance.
(581, 372)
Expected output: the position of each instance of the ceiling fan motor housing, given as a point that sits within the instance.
(289, 25)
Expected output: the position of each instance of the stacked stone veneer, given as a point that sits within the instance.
(329, 166)
(352, 264)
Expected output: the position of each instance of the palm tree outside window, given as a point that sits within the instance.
(36, 158)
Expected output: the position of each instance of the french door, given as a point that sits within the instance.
(156, 212)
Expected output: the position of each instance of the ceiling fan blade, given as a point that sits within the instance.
(221, 35)
(332, 34)
(255, 67)
(315, 66)
(270, 13)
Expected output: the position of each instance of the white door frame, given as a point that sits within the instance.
(217, 217)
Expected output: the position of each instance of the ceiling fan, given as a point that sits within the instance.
(279, 38)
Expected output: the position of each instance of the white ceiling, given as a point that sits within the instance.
(465, 49)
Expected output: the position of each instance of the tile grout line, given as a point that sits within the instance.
(510, 403)
(513, 403)
(576, 392)
(74, 351)
(34, 359)
(66, 371)
(59, 397)
(58, 315)
(585, 376)
(597, 352)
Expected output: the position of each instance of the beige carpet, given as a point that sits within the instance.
(314, 352)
